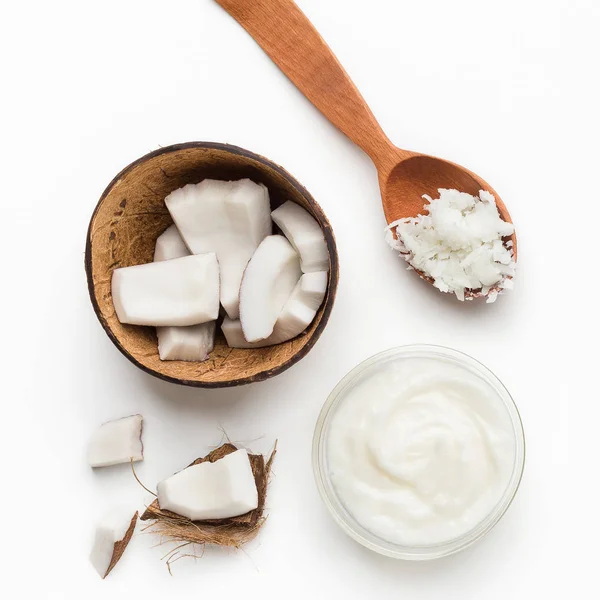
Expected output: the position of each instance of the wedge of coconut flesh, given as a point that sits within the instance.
(269, 280)
(305, 235)
(182, 291)
(297, 314)
(301, 307)
(230, 218)
(169, 245)
(193, 343)
(117, 442)
(219, 490)
(234, 335)
(112, 537)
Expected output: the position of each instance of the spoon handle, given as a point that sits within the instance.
(289, 38)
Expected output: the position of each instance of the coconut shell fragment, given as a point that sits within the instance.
(110, 545)
(234, 531)
(121, 545)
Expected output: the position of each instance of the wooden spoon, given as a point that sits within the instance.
(288, 37)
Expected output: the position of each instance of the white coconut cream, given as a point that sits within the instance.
(420, 451)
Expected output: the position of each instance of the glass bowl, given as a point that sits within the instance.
(326, 489)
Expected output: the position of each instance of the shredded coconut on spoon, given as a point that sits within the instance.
(458, 244)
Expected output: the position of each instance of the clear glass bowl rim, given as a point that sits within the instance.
(341, 515)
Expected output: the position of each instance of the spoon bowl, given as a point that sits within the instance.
(403, 187)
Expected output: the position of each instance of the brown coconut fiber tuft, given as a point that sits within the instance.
(232, 532)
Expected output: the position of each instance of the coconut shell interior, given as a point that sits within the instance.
(129, 217)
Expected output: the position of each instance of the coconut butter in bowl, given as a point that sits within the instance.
(418, 452)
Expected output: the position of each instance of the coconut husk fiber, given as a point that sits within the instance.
(232, 532)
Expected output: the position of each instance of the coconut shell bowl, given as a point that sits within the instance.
(129, 217)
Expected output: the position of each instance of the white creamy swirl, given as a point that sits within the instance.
(420, 451)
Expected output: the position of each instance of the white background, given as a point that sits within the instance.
(510, 89)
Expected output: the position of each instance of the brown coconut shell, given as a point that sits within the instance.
(234, 531)
(121, 545)
(129, 217)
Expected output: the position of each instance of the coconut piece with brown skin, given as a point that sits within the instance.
(113, 535)
(117, 442)
(211, 490)
(234, 531)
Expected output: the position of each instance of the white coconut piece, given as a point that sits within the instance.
(305, 235)
(234, 335)
(181, 291)
(219, 490)
(310, 290)
(301, 307)
(192, 344)
(297, 314)
(230, 218)
(170, 245)
(459, 244)
(112, 535)
(268, 282)
(117, 442)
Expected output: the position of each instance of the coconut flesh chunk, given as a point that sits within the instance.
(230, 218)
(181, 291)
(305, 235)
(193, 343)
(219, 490)
(234, 335)
(269, 280)
(310, 290)
(112, 536)
(301, 307)
(297, 314)
(117, 442)
(169, 245)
